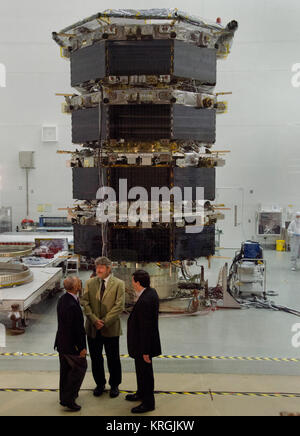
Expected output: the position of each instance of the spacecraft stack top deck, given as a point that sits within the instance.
(145, 113)
(126, 24)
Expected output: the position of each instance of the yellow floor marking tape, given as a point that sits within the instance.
(178, 357)
(196, 393)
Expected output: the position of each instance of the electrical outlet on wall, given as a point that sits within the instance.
(26, 160)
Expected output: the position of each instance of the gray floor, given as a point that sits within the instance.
(233, 403)
(255, 333)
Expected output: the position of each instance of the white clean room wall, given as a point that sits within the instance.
(261, 129)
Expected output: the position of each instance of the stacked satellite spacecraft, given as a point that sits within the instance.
(145, 113)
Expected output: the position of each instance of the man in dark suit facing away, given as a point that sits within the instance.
(144, 340)
(71, 344)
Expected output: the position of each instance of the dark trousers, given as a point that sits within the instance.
(72, 373)
(112, 351)
(145, 382)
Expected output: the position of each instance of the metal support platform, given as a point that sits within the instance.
(45, 279)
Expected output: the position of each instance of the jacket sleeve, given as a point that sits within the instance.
(58, 315)
(118, 307)
(146, 316)
(80, 334)
(85, 302)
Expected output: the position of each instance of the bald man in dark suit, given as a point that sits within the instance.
(71, 344)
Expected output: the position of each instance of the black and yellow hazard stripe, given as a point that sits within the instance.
(179, 393)
(239, 358)
(20, 354)
(179, 357)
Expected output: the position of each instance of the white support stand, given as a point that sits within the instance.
(72, 266)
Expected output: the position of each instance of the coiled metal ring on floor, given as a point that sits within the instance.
(14, 275)
(15, 250)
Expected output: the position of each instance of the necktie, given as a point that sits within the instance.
(102, 290)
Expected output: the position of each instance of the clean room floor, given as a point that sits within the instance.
(229, 333)
(214, 395)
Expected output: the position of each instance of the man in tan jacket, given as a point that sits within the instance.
(103, 303)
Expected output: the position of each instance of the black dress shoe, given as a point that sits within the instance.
(142, 409)
(73, 407)
(99, 391)
(114, 392)
(133, 398)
